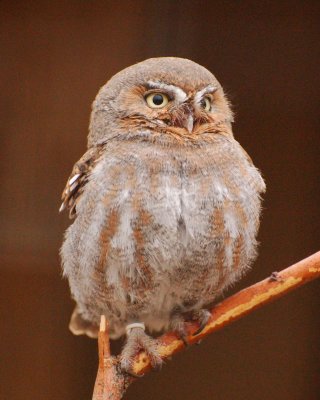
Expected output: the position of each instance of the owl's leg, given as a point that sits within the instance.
(202, 316)
(138, 340)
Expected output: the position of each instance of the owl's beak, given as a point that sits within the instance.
(189, 123)
(184, 117)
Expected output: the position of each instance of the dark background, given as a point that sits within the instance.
(54, 57)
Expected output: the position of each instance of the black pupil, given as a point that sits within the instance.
(203, 103)
(158, 99)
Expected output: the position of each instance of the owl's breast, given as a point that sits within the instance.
(156, 224)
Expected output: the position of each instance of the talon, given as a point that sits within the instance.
(132, 374)
(203, 317)
(183, 337)
(157, 367)
(200, 329)
(275, 277)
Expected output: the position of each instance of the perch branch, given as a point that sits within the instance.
(111, 383)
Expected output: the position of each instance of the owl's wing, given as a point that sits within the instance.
(78, 179)
(259, 183)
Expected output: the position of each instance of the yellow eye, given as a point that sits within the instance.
(206, 103)
(157, 100)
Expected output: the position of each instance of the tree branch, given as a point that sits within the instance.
(111, 383)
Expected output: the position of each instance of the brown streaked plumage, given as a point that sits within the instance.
(167, 204)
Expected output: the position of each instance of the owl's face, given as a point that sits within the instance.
(162, 95)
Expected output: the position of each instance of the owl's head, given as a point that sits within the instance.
(160, 96)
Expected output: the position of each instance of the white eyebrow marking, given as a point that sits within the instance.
(201, 93)
(180, 95)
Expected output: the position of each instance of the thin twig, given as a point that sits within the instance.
(111, 380)
(110, 383)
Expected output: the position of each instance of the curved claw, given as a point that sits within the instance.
(133, 375)
(183, 337)
(199, 330)
(202, 317)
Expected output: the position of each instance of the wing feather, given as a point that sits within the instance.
(78, 178)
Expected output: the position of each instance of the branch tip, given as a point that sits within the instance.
(103, 323)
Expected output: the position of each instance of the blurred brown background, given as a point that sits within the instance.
(54, 57)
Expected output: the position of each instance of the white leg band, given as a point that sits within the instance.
(135, 325)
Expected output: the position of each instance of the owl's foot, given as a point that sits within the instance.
(177, 324)
(202, 317)
(138, 340)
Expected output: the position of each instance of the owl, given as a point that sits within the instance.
(166, 205)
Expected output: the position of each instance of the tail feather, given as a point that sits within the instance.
(79, 326)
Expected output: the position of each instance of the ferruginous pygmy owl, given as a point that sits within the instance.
(166, 201)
